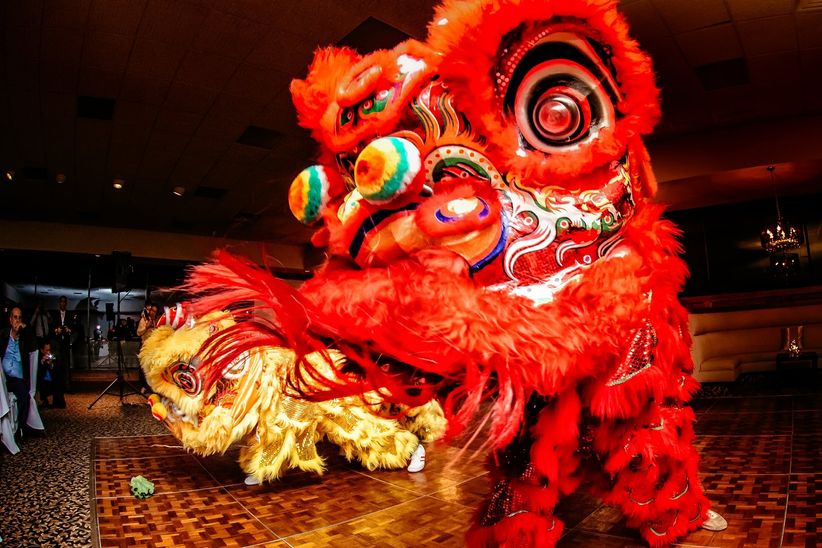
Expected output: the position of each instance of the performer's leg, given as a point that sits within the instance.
(427, 421)
(530, 475)
(287, 440)
(654, 469)
(374, 441)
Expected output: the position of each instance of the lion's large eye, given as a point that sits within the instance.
(559, 90)
(185, 377)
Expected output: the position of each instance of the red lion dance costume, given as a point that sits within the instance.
(484, 201)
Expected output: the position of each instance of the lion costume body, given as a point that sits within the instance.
(484, 199)
(248, 405)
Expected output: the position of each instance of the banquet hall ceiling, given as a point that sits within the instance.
(194, 93)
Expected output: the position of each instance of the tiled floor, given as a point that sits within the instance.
(761, 467)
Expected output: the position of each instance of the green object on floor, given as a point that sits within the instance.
(141, 487)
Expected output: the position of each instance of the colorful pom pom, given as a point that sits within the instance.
(309, 194)
(386, 168)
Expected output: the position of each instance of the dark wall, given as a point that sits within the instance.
(723, 251)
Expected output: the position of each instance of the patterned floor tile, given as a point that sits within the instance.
(469, 493)
(803, 523)
(744, 454)
(575, 508)
(306, 502)
(167, 475)
(701, 405)
(225, 469)
(586, 539)
(767, 404)
(444, 467)
(131, 447)
(198, 518)
(807, 422)
(806, 454)
(807, 402)
(753, 505)
(743, 424)
(420, 522)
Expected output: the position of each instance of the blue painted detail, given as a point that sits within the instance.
(503, 238)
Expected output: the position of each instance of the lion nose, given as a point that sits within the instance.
(386, 169)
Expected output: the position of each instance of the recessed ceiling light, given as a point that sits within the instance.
(10, 175)
(60, 178)
(179, 190)
(118, 184)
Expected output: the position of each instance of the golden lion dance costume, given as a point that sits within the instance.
(484, 198)
(247, 404)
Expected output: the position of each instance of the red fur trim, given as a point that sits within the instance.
(470, 42)
(526, 529)
(556, 436)
(629, 398)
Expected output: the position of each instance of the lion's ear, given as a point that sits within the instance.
(317, 92)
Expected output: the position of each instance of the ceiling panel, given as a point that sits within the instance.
(161, 155)
(283, 50)
(65, 47)
(754, 9)
(188, 98)
(693, 14)
(156, 59)
(809, 28)
(92, 146)
(117, 16)
(27, 14)
(811, 61)
(99, 83)
(124, 160)
(233, 107)
(780, 69)
(191, 169)
(207, 70)
(22, 57)
(255, 82)
(771, 35)
(228, 35)
(144, 89)
(58, 78)
(106, 51)
(709, 45)
(173, 21)
(59, 109)
(66, 14)
(177, 122)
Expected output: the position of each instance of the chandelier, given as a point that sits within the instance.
(782, 236)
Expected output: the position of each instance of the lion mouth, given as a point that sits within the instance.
(167, 411)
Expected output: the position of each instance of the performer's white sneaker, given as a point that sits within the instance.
(251, 480)
(715, 522)
(417, 462)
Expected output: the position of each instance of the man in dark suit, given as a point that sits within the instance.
(14, 350)
(64, 324)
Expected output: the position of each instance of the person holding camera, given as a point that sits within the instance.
(51, 381)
